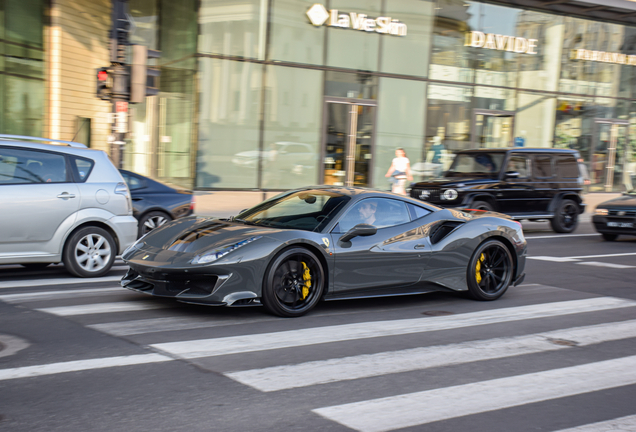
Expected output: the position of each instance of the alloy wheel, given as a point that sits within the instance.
(154, 222)
(92, 252)
(493, 269)
(296, 282)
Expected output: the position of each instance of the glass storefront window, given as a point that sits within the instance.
(22, 67)
(291, 144)
(354, 49)
(351, 85)
(293, 38)
(448, 127)
(593, 76)
(229, 120)
(233, 27)
(400, 124)
(408, 55)
(450, 59)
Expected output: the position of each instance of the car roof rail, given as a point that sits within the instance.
(30, 138)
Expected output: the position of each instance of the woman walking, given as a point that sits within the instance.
(399, 171)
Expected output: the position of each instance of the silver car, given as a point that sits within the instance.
(62, 202)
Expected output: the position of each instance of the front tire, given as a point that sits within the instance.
(90, 252)
(566, 218)
(294, 283)
(609, 237)
(490, 271)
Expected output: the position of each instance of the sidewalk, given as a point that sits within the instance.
(228, 203)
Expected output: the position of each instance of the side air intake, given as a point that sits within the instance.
(442, 230)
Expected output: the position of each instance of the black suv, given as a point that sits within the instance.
(524, 183)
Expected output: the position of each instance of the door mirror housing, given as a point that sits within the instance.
(360, 230)
(511, 174)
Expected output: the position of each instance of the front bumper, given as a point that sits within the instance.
(600, 224)
(212, 286)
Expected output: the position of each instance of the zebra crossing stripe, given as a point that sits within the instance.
(51, 295)
(415, 409)
(97, 308)
(80, 365)
(60, 281)
(622, 424)
(364, 366)
(365, 330)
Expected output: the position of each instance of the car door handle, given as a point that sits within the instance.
(420, 246)
(66, 195)
(137, 199)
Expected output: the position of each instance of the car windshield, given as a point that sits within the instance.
(309, 210)
(476, 164)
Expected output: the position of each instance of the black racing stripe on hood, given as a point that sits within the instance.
(185, 241)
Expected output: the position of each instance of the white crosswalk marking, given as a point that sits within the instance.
(102, 308)
(622, 424)
(311, 336)
(80, 365)
(60, 281)
(51, 295)
(396, 412)
(364, 366)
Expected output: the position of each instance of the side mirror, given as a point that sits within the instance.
(360, 230)
(512, 174)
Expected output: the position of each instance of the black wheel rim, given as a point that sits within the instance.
(492, 269)
(297, 281)
(568, 215)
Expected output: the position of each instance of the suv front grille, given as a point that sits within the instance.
(428, 194)
(622, 213)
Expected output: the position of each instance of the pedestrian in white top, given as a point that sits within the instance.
(399, 171)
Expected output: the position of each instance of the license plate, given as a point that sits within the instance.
(620, 224)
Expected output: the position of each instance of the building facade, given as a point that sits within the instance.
(267, 95)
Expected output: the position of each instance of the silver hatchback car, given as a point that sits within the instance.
(62, 202)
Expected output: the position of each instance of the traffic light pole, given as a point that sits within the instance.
(120, 93)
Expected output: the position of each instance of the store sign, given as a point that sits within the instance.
(477, 39)
(318, 15)
(604, 57)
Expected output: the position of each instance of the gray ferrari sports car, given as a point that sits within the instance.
(297, 248)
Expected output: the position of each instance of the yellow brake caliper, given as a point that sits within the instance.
(307, 279)
(478, 268)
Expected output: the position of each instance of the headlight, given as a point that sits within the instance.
(601, 212)
(450, 194)
(215, 254)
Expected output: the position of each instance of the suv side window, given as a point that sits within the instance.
(543, 167)
(518, 163)
(567, 167)
(20, 166)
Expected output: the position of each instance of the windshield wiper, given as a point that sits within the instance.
(244, 221)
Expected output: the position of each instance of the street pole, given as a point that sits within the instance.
(120, 90)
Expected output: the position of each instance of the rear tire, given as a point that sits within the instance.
(490, 271)
(566, 218)
(482, 205)
(90, 252)
(152, 220)
(293, 283)
(609, 237)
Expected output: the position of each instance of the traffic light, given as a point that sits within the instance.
(119, 32)
(144, 78)
(104, 83)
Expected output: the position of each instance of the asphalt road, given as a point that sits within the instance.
(556, 353)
